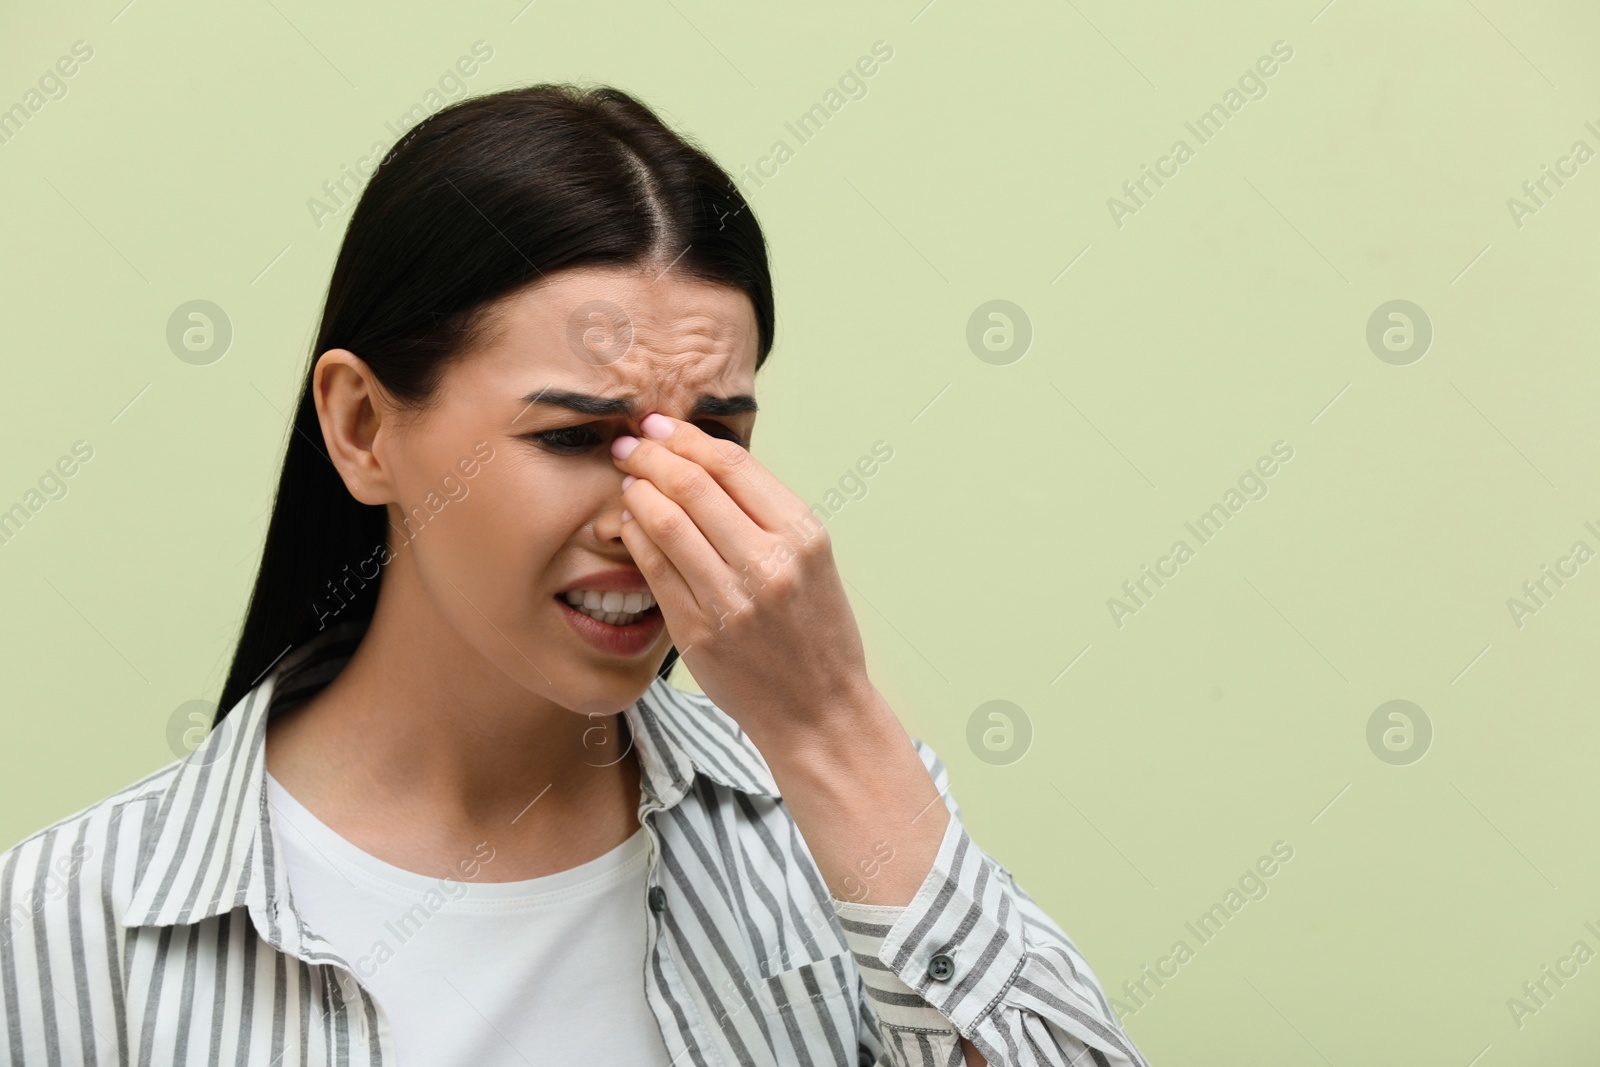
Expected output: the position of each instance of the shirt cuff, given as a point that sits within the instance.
(895, 1003)
(939, 963)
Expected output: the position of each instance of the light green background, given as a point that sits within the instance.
(1228, 313)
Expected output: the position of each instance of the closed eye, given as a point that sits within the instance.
(568, 440)
(577, 440)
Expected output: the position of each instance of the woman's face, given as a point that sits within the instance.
(539, 515)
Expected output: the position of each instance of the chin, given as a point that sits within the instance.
(605, 690)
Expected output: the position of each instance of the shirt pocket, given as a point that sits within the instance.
(911, 1046)
(812, 1012)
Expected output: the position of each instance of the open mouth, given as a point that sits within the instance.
(613, 609)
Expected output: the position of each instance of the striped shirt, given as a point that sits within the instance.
(156, 926)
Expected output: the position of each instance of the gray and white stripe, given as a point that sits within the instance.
(156, 925)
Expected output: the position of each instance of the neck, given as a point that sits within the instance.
(421, 747)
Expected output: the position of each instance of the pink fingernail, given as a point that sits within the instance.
(626, 514)
(623, 446)
(628, 480)
(656, 425)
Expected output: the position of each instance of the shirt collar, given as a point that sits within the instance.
(206, 845)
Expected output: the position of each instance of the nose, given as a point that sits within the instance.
(608, 524)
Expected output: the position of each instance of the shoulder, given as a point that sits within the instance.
(689, 735)
(720, 749)
(673, 702)
(97, 844)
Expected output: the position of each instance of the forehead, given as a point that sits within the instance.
(661, 339)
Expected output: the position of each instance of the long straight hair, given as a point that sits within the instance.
(478, 200)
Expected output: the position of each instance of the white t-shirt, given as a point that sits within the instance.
(473, 972)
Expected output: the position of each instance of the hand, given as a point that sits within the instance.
(745, 576)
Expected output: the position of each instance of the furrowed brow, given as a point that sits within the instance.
(585, 404)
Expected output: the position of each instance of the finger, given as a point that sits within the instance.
(674, 547)
(757, 491)
(724, 525)
(666, 583)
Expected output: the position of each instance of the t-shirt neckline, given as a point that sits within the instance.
(352, 860)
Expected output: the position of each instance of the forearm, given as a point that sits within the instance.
(862, 799)
(947, 943)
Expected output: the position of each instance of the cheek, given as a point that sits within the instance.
(521, 511)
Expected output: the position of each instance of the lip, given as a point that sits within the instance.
(626, 580)
(626, 641)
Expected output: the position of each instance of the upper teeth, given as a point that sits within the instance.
(603, 605)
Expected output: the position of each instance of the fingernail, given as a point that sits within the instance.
(626, 514)
(628, 480)
(656, 425)
(623, 446)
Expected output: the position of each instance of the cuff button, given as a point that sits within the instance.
(941, 967)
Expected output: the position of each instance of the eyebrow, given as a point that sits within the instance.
(607, 405)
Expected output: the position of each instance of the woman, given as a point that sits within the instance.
(451, 812)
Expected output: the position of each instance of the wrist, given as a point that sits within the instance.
(862, 798)
(832, 735)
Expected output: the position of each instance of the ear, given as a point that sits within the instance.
(357, 421)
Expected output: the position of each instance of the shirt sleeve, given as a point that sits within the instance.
(974, 955)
